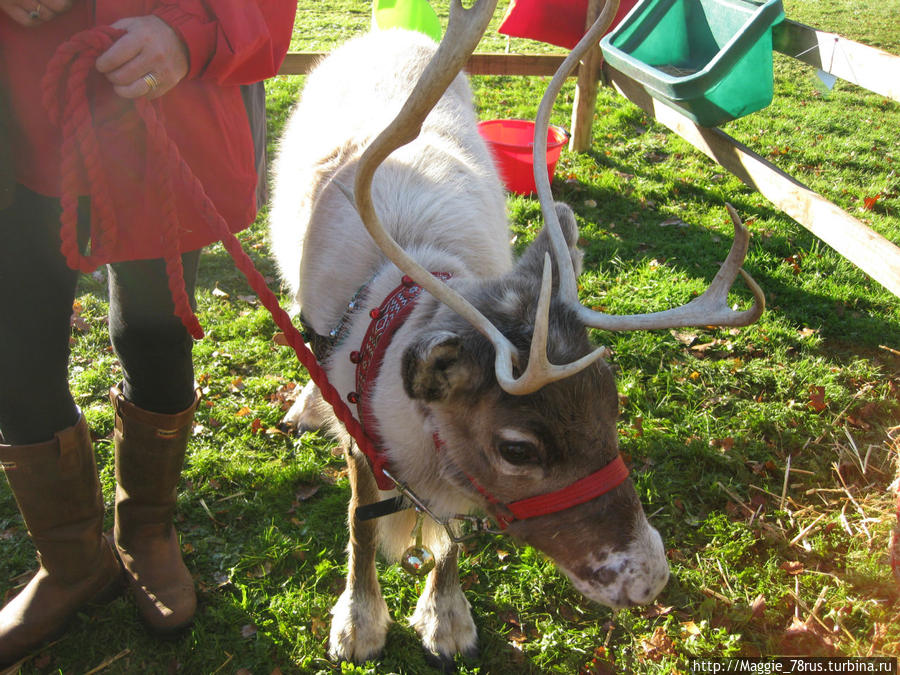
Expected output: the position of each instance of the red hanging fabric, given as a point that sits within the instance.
(556, 22)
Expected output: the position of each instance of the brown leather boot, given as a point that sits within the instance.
(58, 492)
(150, 450)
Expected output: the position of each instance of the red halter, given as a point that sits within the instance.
(386, 320)
(580, 492)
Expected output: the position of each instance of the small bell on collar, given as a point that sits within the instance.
(417, 559)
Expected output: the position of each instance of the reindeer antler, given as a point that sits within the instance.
(710, 308)
(466, 26)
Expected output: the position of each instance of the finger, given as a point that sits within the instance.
(22, 16)
(143, 87)
(133, 70)
(120, 52)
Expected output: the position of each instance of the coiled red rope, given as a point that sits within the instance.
(65, 97)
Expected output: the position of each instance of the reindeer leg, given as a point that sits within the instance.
(307, 411)
(443, 617)
(360, 618)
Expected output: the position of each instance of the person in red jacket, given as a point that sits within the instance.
(191, 58)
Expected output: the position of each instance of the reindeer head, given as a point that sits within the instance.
(523, 445)
(515, 391)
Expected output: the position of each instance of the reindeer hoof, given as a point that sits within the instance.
(444, 623)
(445, 664)
(359, 628)
(307, 413)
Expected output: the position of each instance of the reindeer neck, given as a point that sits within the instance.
(386, 314)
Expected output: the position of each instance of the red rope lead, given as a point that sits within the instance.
(65, 97)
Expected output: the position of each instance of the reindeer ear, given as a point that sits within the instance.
(532, 261)
(435, 367)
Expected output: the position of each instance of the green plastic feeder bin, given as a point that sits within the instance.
(710, 59)
(410, 14)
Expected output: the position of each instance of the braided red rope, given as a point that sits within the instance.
(65, 97)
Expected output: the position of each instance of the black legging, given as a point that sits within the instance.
(37, 289)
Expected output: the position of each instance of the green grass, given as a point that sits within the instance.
(710, 419)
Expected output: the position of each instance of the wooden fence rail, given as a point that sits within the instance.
(851, 61)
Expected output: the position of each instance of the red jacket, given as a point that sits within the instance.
(230, 42)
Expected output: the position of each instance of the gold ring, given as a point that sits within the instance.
(151, 82)
(35, 14)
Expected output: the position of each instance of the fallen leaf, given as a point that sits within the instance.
(706, 346)
(284, 396)
(758, 607)
(806, 638)
(305, 491)
(792, 567)
(723, 444)
(80, 324)
(237, 384)
(684, 337)
(219, 293)
(638, 425)
(517, 636)
(658, 645)
(794, 262)
(817, 398)
(657, 610)
(869, 202)
(248, 630)
(690, 628)
(600, 664)
(243, 412)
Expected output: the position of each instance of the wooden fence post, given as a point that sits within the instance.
(586, 88)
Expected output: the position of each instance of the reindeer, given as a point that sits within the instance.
(474, 373)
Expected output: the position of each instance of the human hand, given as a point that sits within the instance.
(148, 60)
(33, 13)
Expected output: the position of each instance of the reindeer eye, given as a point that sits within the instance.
(518, 452)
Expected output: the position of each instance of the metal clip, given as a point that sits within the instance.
(477, 524)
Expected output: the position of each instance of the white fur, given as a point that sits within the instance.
(359, 626)
(441, 199)
(440, 191)
(308, 411)
(638, 573)
(444, 621)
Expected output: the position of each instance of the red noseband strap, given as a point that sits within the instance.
(581, 491)
(590, 487)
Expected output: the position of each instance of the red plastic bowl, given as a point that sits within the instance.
(511, 144)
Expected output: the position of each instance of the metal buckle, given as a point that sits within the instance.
(479, 525)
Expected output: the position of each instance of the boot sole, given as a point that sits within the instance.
(113, 589)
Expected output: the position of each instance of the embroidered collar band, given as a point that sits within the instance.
(386, 320)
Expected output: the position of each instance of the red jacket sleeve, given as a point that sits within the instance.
(232, 41)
